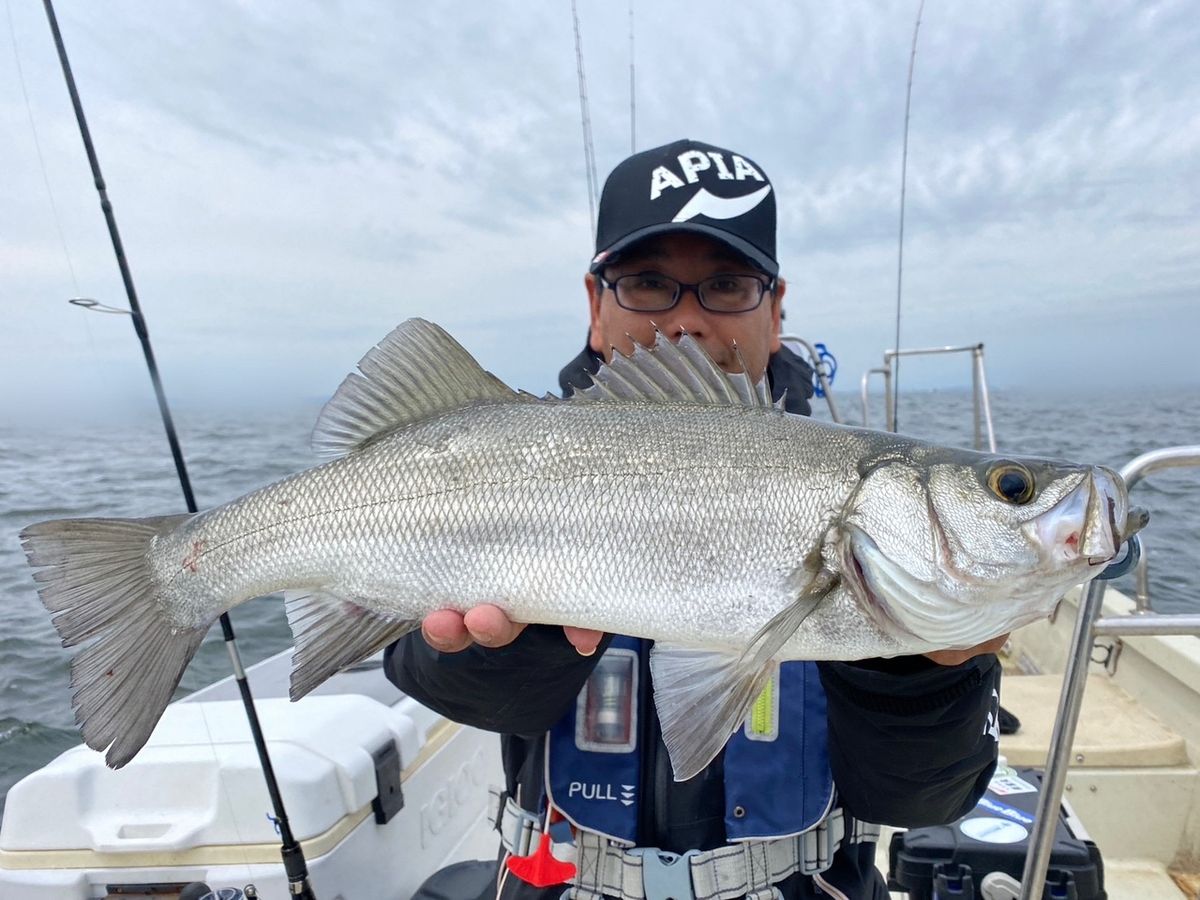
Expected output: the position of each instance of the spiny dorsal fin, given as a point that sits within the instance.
(415, 372)
(674, 372)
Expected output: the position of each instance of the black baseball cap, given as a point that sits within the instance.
(688, 186)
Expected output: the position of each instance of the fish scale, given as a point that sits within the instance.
(670, 501)
(404, 529)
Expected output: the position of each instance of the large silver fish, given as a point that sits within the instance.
(670, 500)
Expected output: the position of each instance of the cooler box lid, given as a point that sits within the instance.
(198, 782)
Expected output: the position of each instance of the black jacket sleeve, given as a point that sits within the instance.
(522, 688)
(911, 742)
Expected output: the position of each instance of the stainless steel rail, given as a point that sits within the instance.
(1088, 624)
(887, 394)
(1141, 573)
(980, 396)
(1152, 623)
(1141, 580)
(815, 361)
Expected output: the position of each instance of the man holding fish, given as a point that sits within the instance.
(686, 246)
(689, 548)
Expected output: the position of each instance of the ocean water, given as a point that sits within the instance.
(125, 469)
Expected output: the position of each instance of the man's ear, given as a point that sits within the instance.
(594, 289)
(777, 312)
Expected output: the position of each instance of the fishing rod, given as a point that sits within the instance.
(293, 855)
(912, 59)
(632, 91)
(589, 152)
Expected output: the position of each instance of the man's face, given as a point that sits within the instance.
(688, 258)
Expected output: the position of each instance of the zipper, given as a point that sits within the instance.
(648, 824)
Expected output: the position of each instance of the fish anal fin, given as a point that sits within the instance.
(332, 633)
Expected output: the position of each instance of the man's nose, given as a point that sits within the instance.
(685, 317)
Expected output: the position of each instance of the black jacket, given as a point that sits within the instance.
(909, 741)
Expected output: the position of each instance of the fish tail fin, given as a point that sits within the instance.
(94, 577)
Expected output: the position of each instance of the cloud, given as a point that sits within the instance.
(291, 181)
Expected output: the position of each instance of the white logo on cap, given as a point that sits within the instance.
(714, 207)
(692, 162)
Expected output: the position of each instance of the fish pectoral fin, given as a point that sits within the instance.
(702, 697)
(332, 633)
(770, 639)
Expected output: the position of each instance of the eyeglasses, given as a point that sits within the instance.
(655, 292)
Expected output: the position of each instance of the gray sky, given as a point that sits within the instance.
(293, 179)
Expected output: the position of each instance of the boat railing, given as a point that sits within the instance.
(818, 366)
(1156, 459)
(985, 433)
(1088, 625)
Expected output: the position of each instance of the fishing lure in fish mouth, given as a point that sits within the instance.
(671, 500)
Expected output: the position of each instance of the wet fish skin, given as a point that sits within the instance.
(519, 506)
(670, 501)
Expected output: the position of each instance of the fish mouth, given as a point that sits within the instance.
(1088, 526)
(1102, 534)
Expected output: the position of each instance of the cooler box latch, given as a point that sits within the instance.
(389, 799)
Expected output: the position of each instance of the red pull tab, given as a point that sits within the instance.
(540, 868)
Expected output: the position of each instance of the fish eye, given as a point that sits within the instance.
(1011, 482)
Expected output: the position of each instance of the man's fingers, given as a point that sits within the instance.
(585, 640)
(995, 645)
(958, 657)
(444, 631)
(449, 631)
(489, 626)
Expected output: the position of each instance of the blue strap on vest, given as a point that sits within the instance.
(777, 780)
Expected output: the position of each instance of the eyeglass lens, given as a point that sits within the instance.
(649, 291)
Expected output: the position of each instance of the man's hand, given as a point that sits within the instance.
(487, 625)
(958, 657)
(449, 631)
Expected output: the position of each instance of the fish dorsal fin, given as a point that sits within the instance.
(415, 372)
(674, 372)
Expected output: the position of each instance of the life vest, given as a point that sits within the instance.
(777, 776)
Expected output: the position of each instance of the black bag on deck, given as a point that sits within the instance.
(941, 862)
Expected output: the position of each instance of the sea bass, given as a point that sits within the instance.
(671, 501)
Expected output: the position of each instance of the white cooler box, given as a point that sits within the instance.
(193, 804)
